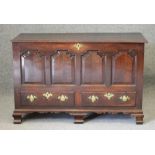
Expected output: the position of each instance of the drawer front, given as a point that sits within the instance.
(47, 98)
(108, 99)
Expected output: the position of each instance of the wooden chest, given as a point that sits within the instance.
(78, 73)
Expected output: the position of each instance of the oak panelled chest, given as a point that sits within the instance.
(79, 74)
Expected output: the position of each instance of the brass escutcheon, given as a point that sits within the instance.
(78, 46)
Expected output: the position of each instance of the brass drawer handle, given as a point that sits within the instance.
(124, 98)
(93, 98)
(47, 95)
(78, 46)
(108, 95)
(31, 97)
(62, 98)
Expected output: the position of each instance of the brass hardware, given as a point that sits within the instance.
(124, 98)
(108, 95)
(47, 95)
(62, 98)
(31, 97)
(93, 98)
(78, 46)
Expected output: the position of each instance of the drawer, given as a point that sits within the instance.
(48, 98)
(108, 99)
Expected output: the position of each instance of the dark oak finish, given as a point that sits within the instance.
(79, 74)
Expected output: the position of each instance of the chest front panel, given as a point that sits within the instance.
(94, 67)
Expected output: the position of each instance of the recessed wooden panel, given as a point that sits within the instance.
(123, 68)
(63, 67)
(92, 67)
(32, 67)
